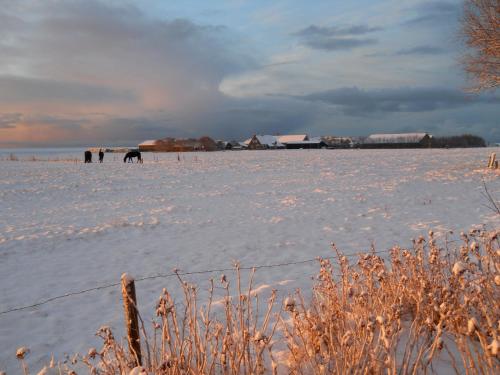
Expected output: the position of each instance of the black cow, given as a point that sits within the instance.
(88, 157)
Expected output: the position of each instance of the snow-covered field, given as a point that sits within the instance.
(67, 226)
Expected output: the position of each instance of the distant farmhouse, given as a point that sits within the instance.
(235, 145)
(178, 145)
(294, 141)
(402, 140)
(263, 142)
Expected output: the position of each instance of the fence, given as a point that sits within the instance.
(172, 274)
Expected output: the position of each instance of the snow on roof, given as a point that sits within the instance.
(292, 138)
(151, 142)
(396, 138)
(314, 141)
(269, 140)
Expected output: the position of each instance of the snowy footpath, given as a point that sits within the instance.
(67, 226)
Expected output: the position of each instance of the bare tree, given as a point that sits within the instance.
(481, 27)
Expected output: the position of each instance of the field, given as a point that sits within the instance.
(68, 226)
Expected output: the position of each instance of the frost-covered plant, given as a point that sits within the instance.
(403, 315)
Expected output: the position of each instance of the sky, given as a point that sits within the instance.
(105, 73)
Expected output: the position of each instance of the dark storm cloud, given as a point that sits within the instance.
(89, 56)
(435, 13)
(357, 102)
(336, 38)
(15, 89)
(120, 45)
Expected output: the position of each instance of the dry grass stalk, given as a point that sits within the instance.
(426, 304)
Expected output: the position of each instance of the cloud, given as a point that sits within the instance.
(421, 50)
(16, 89)
(314, 30)
(332, 44)
(434, 13)
(336, 38)
(8, 120)
(72, 59)
(92, 72)
(358, 102)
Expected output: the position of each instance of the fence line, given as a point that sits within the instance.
(172, 274)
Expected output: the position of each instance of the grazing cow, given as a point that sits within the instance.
(132, 154)
(88, 157)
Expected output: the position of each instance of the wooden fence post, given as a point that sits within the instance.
(491, 161)
(131, 321)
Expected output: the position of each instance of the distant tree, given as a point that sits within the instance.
(464, 140)
(481, 28)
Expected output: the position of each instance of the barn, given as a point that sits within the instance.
(400, 140)
(300, 141)
(310, 143)
(148, 145)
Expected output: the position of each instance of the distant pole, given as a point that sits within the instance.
(131, 321)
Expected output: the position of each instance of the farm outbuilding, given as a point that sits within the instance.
(400, 140)
(337, 142)
(234, 145)
(179, 145)
(293, 141)
(292, 138)
(147, 145)
(310, 143)
(263, 142)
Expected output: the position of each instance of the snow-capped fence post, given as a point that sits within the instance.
(131, 321)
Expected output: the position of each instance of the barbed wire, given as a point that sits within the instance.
(187, 273)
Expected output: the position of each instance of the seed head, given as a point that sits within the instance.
(259, 336)
(472, 325)
(22, 352)
(439, 343)
(493, 347)
(289, 304)
(138, 371)
(459, 268)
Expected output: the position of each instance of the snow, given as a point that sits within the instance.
(297, 138)
(151, 142)
(67, 226)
